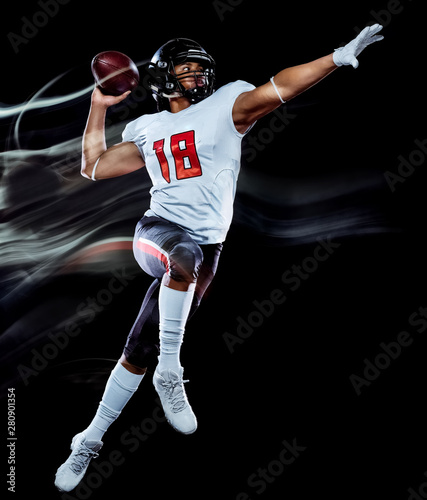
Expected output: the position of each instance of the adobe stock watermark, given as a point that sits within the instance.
(258, 140)
(389, 352)
(123, 110)
(223, 7)
(100, 471)
(31, 25)
(86, 312)
(293, 278)
(407, 165)
(421, 491)
(260, 480)
(385, 16)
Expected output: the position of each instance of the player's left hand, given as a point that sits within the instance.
(344, 56)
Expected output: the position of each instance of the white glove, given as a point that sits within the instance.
(344, 56)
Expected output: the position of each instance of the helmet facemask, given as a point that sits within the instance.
(202, 88)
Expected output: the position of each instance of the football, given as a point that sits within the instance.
(114, 72)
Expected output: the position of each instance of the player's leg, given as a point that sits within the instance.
(175, 307)
(126, 376)
(165, 250)
(121, 385)
(176, 299)
(142, 347)
(141, 350)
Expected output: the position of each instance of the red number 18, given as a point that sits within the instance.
(184, 153)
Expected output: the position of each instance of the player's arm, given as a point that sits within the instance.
(98, 161)
(253, 105)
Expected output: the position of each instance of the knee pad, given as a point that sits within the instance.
(185, 261)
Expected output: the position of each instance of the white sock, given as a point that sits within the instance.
(120, 387)
(174, 307)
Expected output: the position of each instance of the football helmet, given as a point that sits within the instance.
(163, 81)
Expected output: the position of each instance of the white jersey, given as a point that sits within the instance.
(193, 159)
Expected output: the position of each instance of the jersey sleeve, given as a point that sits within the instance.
(244, 87)
(128, 133)
(135, 132)
(228, 95)
(239, 86)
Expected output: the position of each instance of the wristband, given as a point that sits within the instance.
(94, 168)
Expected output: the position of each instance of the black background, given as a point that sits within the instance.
(290, 378)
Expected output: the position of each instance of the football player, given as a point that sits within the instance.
(191, 149)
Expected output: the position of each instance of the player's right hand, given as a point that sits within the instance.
(98, 98)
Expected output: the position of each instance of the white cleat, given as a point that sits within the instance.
(170, 388)
(71, 472)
